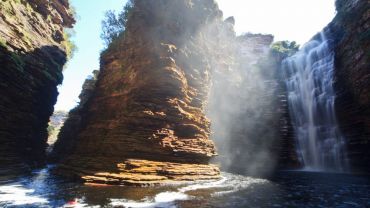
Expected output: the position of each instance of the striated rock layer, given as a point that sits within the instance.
(32, 55)
(352, 71)
(145, 121)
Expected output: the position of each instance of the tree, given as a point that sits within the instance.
(284, 49)
(114, 25)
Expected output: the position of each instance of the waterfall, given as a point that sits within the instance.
(311, 98)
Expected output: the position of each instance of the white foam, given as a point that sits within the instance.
(170, 196)
(165, 199)
(230, 182)
(207, 185)
(18, 195)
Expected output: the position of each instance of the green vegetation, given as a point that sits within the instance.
(284, 49)
(2, 42)
(72, 10)
(55, 124)
(113, 26)
(6, 7)
(29, 7)
(50, 129)
(68, 44)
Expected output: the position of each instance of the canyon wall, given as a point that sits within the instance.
(352, 70)
(348, 35)
(145, 121)
(73, 124)
(248, 110)
(285, 148)
(32, 54)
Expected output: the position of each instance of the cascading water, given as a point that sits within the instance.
(311, 97)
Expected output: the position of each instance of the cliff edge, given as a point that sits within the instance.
(33, 50)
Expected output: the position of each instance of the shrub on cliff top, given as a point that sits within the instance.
(115, 24)
(69, 45)
(2, 42)
(284, 49)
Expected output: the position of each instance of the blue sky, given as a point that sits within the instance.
(87, 38)
(295, 20)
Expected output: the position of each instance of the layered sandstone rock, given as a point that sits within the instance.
(144, 172)
(32, 55)
(73, 124)
(352, 70)
(145, 121)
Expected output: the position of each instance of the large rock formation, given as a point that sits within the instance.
(32, 54)
(68, 132)
(145, 122)
(352, 70)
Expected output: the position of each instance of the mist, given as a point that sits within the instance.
(239, 92)
(239, 86)
(243, 106)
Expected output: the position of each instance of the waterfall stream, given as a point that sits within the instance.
(311, 98)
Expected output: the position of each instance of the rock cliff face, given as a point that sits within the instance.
(248, 111)
(145, 122)
(55, 124)
(349, 33)
(73, 124)
(32, 55)
(352, 70)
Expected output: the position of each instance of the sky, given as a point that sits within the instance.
(296, 20)
(90, 13)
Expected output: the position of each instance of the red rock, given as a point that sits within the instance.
(145, 122)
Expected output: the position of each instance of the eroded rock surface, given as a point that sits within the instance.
(145, 121)
(352, 70)
(32, 55)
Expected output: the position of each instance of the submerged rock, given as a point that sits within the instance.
(32, 55)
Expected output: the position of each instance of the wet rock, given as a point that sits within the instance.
(352, 70)
(145, 172)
